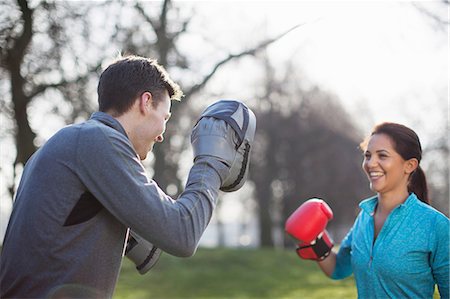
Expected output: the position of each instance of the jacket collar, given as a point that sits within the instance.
(109, 121)
(368, 205)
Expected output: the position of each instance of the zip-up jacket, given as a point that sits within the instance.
(408, 258)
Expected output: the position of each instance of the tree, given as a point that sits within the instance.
(306, 146)
(13, 52)
(36, 47)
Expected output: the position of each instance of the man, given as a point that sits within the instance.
(86, 186)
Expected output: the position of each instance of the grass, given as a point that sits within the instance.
(232, 273)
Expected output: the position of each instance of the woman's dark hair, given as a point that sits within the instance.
(407, 144)
(127, 78)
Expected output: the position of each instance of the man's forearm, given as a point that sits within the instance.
(195, 206)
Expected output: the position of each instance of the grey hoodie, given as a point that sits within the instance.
(77, 197)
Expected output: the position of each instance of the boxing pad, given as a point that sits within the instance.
(309, 220)
(317, 250)
(141, 252)
(225, 131)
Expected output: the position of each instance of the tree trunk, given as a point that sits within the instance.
(25, 136)
(265, 220)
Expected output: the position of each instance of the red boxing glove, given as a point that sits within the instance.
(318, 250)
(307, 224)
(309, 220)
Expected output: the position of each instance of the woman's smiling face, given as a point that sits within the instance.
(386, 170)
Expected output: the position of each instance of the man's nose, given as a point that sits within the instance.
(159, 138)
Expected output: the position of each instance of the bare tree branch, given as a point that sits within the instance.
(141, 10)
(43, 87)
(163, 16)
(230, 57)
(25, 38)
(182, 30)
(438, 20)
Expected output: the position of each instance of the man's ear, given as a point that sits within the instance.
(411, 165)
(145, 102)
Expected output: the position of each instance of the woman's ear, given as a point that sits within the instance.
(411, 165)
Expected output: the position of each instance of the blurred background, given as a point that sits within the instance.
(318, 75)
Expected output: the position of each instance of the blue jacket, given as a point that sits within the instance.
(408, 258)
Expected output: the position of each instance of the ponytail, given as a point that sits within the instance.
(418, 185)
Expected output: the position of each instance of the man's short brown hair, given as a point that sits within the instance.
(127, 78)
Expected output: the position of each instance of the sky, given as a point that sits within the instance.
(384, 59)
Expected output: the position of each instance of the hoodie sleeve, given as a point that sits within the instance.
(110, 168)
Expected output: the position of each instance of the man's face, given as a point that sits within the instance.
(154, 125)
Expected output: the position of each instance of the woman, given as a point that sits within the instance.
(398, 246)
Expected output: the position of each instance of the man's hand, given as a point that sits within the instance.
(141, 252)
(225, 133)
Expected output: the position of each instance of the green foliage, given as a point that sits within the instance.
(232, 273)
